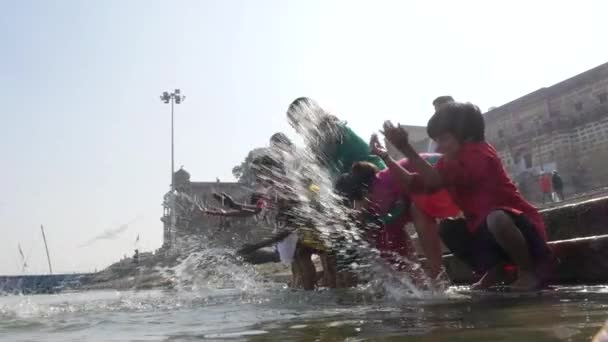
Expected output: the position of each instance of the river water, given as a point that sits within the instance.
(266, 311)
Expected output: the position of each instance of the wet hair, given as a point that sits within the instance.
(306, 109)
(280, 138)
(267, 164)
(463, 120)
(300, 105)
(441, 100)
(354, 185)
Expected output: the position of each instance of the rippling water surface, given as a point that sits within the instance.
(273, 313)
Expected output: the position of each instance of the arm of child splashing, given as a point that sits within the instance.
(427, 180)
(230, 213)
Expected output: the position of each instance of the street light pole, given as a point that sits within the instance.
(174, 98)
(172, 146)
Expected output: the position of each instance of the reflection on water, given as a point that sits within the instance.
(279, 314)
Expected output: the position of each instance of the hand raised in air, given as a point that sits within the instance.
(396, 135)
(376, 147)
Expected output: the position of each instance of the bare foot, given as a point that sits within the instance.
(602, 335)
(489, 279)
(441, 282)
(526, 281)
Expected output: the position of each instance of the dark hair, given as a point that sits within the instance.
(355, 184)
(463, 120)
(280, 138)
(442, 100)
(300, 106)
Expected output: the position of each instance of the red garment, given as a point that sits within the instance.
(479, 184)
(436, 205)
(395, 246)
(261, 204)
(545, 184)
(387, 192)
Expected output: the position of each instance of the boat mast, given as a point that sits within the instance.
(48, 257)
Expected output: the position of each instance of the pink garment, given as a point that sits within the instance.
(386, 192)
(392, 239)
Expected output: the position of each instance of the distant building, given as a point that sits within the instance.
(562, 127)
(201, 192)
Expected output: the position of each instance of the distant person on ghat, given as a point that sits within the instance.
(545, 186)
(558, 185)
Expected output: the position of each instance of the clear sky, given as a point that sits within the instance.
(85, 138)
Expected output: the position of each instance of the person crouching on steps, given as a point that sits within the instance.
(499, 225)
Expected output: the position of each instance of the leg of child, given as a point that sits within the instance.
(457, 238)
(306, 268)
(397, 249)
(296, 275)
(329, 270)
(428, 235)
(510, 238)
(345, 279)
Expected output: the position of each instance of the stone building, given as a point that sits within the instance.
(188, 221)
(563, 127)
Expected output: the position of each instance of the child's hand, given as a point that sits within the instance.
(396, 135)
(377, 148)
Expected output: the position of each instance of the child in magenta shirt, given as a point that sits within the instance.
(380, 194)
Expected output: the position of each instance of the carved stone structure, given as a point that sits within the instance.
(190, 197)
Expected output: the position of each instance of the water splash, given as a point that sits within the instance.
(203, 266)
(215, 269)
(331, 218)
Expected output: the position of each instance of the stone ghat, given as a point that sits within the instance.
(582, 218)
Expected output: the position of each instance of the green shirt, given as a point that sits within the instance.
(351, 149)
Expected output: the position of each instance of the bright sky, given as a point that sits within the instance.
(85, 143)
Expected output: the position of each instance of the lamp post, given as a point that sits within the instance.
(174, 98)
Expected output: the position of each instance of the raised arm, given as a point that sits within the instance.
(231, 213)
(426, 179)
(399, 137)
(403, 176)
(227, 200)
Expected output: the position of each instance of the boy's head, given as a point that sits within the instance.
(454, 124)
(355, 185)
(311, 121)
(441, 101)
(303, 113)
(281, 141)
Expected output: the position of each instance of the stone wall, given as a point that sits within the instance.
(563, 127)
